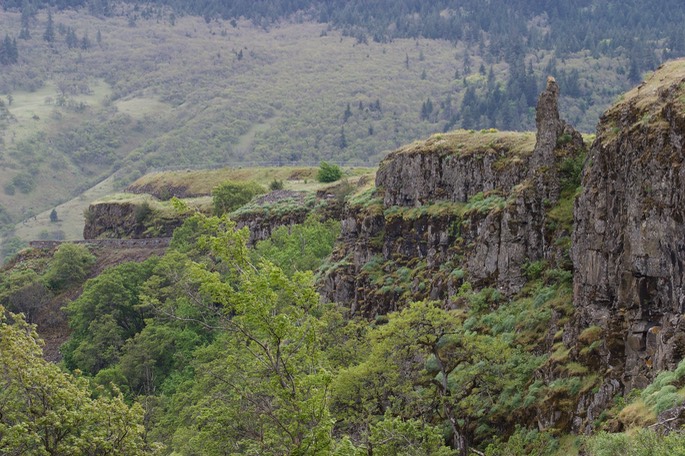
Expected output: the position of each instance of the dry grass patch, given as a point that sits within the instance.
(470, 142)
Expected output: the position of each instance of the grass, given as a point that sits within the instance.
(647, 101)
(140, 108)
(437, 209)
(202, 182)
(469, 142)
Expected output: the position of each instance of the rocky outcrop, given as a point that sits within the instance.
(460, 206)
(629, 237)
(121, 220)
(454, 166)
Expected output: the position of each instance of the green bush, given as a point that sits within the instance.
(142, 212)
(229, 196)
(301, 247)
(276, 185)
(70, 265)
(329, 172)
(25, 182)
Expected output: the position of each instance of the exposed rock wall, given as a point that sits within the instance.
(439, 170)
(629, 238)
(426, 216)
(262, 225)
(123, 220)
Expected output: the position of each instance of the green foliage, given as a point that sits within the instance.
(11, 245)
(276, 185)
(482, 203)
(393, 436)
(644, 442)
(281, 207)
(663, 393)
(70, 265)
(300, 247)
(262, 386)
(25, 182)
(229, 196)
(524, 442)
(424, 355)
(142, 212)
(107, 313)
(25, 291)
(46, 411)
(564, 139)
(328, 172)
(571, 172)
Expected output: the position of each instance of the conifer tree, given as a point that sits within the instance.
(49, 34)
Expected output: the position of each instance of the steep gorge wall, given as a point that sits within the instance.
(629, 238)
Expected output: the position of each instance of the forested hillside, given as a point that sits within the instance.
(96, 87)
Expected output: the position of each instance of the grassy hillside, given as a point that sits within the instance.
(154, 90)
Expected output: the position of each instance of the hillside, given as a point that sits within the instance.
(124, 89)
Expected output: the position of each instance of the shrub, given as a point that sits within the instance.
(142, 212)
(276, 185)
(229, 196)
(25, 182)
(571, 172)
(70, 265)
(329, 172)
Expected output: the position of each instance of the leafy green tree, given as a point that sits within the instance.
(107, 313)
(394, 436)
(25, 291)
(329, 172)
(301, 247)
(387, 380)
(423, 364)
(11, 245)
(229, 196)
(262, 387)
(48, 412)
(70, 265)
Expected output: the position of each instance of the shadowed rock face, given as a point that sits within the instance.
(629, 237)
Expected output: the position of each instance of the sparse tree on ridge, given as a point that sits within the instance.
(49, 34)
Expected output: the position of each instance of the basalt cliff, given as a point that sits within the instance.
(461, 207)
(482, 208)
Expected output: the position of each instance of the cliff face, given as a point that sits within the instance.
(124, 220)
(629, 237)
(461, 206)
